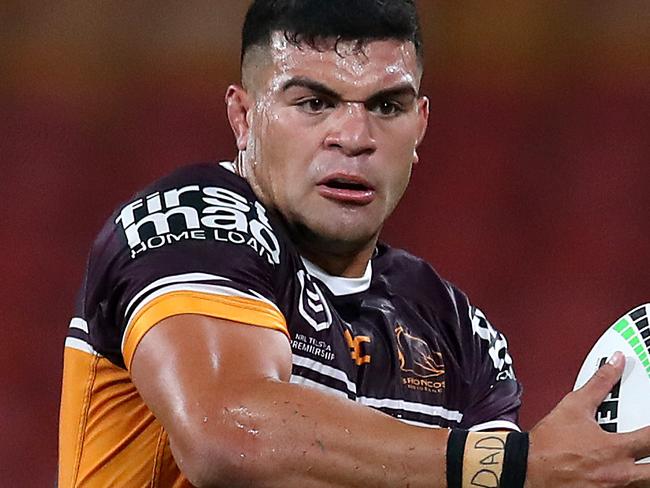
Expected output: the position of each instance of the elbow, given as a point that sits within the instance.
(198, 463)
(215, 460)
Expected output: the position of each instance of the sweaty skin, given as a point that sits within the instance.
(307, 120)
(308, 115)
(237, 421)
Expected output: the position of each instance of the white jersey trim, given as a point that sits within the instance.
(183, 285)
(181, 278)
(299, 380)
(495, 425)
(81, 345)
(79, 323)
(417, 424)
(229, 165)
(325, 370)
(339, 285)
(432, 410)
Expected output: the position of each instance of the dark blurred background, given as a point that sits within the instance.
(532, 193)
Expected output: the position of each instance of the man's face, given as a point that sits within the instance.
(332, 135)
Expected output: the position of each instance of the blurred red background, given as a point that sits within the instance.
(531, 193)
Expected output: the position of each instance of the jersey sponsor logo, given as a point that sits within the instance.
(312, 304)
(498, 349)
(194, 213)
(421, 367)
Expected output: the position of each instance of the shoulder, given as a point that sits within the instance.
(188, 186)
(417, 281)
(194, 241)
(199, 202)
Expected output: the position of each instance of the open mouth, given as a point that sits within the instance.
(347, 189)
(344, 184)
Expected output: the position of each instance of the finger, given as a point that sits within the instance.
(602, 382)
(637, 443)
(640, 476)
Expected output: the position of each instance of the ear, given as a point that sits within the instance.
(423, 123)
(238, 104)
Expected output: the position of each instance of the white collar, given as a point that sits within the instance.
(229, 165)
(340, 285)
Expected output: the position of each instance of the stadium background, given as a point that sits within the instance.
(532, 193)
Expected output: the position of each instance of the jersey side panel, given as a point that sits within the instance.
(110, 437)
(79, 370)
(196, 241)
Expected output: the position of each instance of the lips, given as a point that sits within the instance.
(345, 188)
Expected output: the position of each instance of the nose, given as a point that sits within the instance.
(350, 131)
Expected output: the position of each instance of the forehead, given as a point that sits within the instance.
(342, 66)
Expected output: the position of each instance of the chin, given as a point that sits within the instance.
(336, 229)
(342, 238)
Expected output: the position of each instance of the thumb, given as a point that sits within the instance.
(602, 382)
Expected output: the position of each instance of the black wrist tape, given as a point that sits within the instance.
(455, 455)
(486, 459)
(515, 460)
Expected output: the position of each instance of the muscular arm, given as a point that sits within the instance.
(221, 391)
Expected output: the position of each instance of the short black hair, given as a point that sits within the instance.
(311, 21)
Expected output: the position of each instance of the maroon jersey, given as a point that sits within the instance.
(399, 339)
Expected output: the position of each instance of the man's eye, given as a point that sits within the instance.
(386, 108)
(314, 105)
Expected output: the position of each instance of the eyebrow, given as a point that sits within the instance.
(318, 87)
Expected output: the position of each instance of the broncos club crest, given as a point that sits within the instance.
(421, 367)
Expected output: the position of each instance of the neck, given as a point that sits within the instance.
(347, 265)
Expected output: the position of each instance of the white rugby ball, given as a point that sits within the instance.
(627, 407)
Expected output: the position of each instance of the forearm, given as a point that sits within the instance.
(287, 435)
(221, 392)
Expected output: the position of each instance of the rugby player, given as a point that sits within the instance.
(240, 324)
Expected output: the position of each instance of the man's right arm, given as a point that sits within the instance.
(221, 391)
